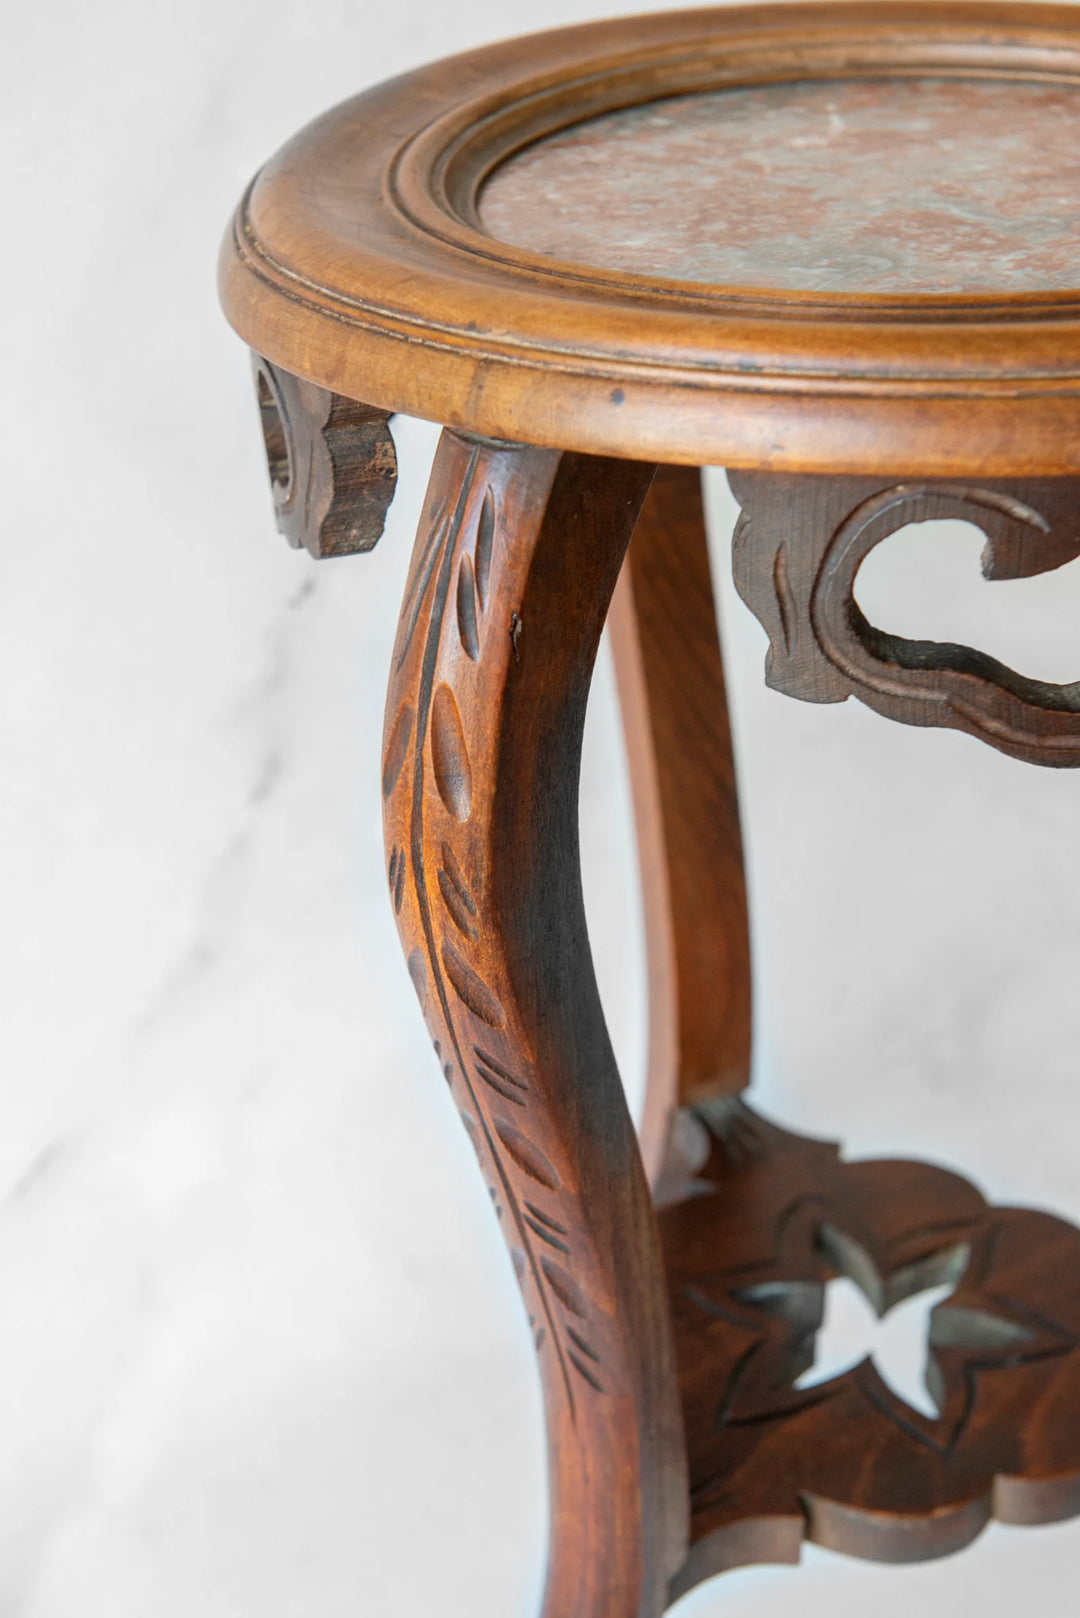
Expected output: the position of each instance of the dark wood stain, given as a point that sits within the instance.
(797, 552)
(848, 1462)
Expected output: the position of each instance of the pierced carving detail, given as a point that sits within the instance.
(799, 544)
(848, 1463)
(332, 463)
(447, 600)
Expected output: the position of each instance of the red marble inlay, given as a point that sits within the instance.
(902, 185)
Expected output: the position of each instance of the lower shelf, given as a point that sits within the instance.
(767, 1220)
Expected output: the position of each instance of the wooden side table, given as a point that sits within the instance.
(835, 249)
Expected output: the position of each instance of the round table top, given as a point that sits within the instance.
(812, 237)
(878, 185)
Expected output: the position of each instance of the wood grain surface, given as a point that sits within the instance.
(516, 557)
(714, 1300)
(848, 1463)
(358, 259)
(670, 1337)
(798, 547)
(686, 809)
(332, 463)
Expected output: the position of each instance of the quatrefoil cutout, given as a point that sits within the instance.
(984, 1335)
(849, 1461)
(897, 1342)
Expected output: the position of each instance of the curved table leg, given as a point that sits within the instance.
(671, 688)
(517, 555)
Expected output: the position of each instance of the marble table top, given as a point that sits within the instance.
(898, 185)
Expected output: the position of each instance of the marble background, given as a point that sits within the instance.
(260, 1352)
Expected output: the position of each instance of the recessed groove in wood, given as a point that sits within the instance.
(527, 1155)
(500, 1087)
(397, 747)
(485, 542)
(456, 876)
(552, 1224)
(471, 988)
(450, 754)
(546, 1235)
(499, 1068)
(396, 875)
(584, 1369)
(783, 597)
(456, 907)
(418, 974)
(423, 570)
(466, 608)
(565, 1288)
(579, 1342)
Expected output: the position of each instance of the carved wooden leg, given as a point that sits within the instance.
(671, 687)
(517, 555)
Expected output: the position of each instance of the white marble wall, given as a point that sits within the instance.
(259, 1349)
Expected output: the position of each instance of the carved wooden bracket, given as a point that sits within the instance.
(332, 463)
(798, 547)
